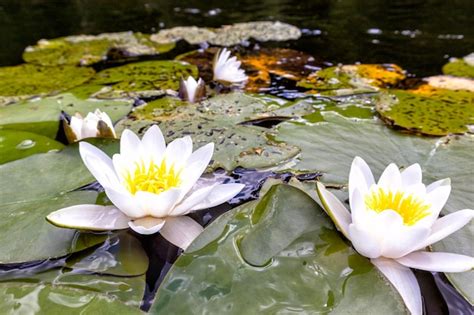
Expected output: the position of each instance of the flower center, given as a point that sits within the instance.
(153, 178)
(410, 207)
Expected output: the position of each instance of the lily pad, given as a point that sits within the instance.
(307, 266)
(147, 77)
(42, 116)
(428, 110)
(229, 35)
(463, 67)
(217, 120)
(28, 79)
(89, 49)
(16, 145)
(353, 79)
(23, 298)
(30, 237)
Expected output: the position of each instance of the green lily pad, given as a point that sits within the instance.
(30, 237)
(16, 145)
(353, 79)
(148, 78)
(29, 79)
(89, 49)
(429, 111)
(217, 120)
(307, 267)
(23, 298)
(42, 116)
(463, 67)
(229, 35)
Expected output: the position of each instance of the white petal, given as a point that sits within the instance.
(153, 143)
(439, 183)
(181, 231)
(76, 126)
(390, 178)
(158, 205)
(193, 199)
(360, 176)
(220, 194)
(403, 279)
(125, 202)
(89, 217)
(411, 175)
(196, 165)
(437, 198)
(358, 207)
(440, 262)
(364, 242)
(129, 145)
(335, 209)
(89, 127)
(178, 152)
(147, 225)
(99, 164)
(447, 225)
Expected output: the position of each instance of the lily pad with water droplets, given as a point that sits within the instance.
(273, 255)
(217, 120)
(463, 67)
(15, 144)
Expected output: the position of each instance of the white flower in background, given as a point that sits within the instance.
(227, 70)
(192, 90)
(96, 124)
(394, 220)
(152, 187)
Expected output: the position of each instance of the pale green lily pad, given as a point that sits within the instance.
(353, 79)
(15, 144)
(215, 120)
(428, 111)
(307, 268)
(147, 78)
(30, 237)
(463, 67)
(89, 49)
(229, 35)
(42, 116)
(29, 79)
(24, 298)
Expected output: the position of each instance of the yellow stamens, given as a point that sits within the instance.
(154, 178)
(410, 207)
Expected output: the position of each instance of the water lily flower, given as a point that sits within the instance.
(96, 124)
(227, 70)
(152, 187)
(191, 90)
(394, 220)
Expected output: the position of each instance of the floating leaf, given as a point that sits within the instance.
(229, 35)
(307, 266)
(353, 79)
(15, 144)
(42, 115)
(463, 67)
(89, 49)
(26, 80)
(428, 110)
(23, 298)
(215, 120)
(147, 77)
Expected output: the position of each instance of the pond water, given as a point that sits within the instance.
(419, 36)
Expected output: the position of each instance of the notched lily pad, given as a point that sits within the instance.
(428, 110)
(463, 67)
(308, 267)
(215, 120)
(85, 50)
(147, 78)
(353, 79)
(229, 35)
(29, 80)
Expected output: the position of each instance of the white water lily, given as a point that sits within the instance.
(192, 90)
(394, 220)
(152, 187)
(95, 124)
(227, 70)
